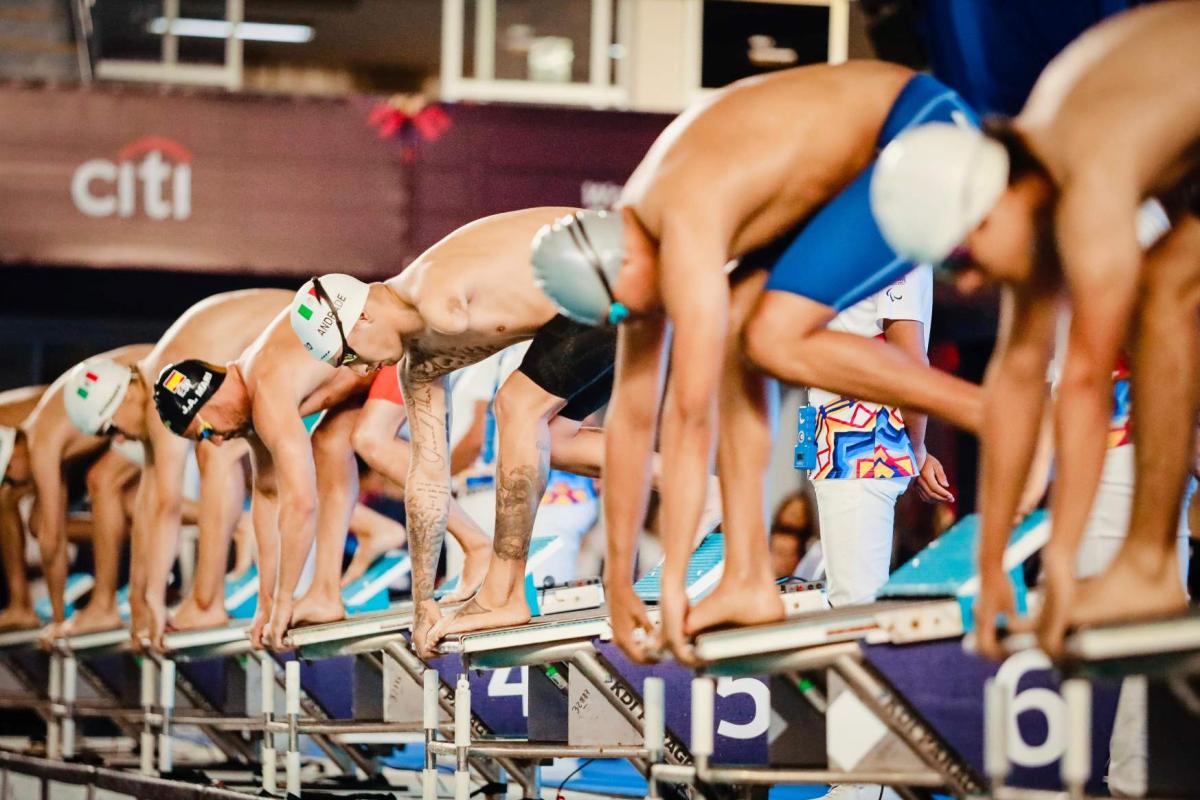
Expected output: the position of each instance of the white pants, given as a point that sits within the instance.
(1106, 528)
(856, 517)
(568, 521)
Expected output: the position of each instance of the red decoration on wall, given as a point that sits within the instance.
(409, 119)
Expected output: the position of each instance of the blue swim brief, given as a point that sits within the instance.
(839, 257)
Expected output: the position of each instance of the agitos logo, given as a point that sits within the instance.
(162, 167)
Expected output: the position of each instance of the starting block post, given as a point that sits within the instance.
(166, 704)
(430, 710)
(653, 729)
(70, 684)
(54, 726)
(148, 686)
(995, 730)
(266, 674)
(703, 699)
(462, 737)
(291, 673)
(1077, 760)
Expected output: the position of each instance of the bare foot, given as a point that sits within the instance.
(1058, 587)
(90, 619)
(474, 616)
(475, 567)
(18, 619)
(369, 549)
(189, 616)
(1144, 594)
(314, 610)
(735, 602)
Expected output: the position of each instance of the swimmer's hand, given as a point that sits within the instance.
(674, 607)
(932, 484)
(258, 625)
(632, 630)
(995, 610)
(426, 616)
(49, 635)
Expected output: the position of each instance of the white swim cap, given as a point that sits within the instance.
(8, 443)
(933, 185)
(576, 260)
(93, 393)
(315, 321)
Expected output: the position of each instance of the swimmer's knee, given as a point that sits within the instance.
(525, 402)
(365, 443)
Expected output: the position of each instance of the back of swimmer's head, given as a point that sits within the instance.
(93, 393)
(933, 185)
(576, 261)
(320, 307)
(182, 389)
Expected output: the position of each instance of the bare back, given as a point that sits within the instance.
(17, 404)
(766, 152)
(474, 289)
(217, 329)
(1123, 98)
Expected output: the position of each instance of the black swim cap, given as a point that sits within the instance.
(182, 389)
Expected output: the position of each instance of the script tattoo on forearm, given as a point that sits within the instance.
(518, 493)
(428, 487)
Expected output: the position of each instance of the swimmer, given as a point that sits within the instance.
(264, 396)
(1049, 202)
(780, 161)
(469, 296)
(51, 440)
(216, 329)
(15, 485)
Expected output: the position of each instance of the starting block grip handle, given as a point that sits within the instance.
(166, 697)
(292, 684)
(429, 785)
(266, 683)
(148, 682)
(703, 690)
(653, 732)
(429, 704)
(462, 712)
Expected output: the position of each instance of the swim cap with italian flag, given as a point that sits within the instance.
(93, 393)
(313, 318)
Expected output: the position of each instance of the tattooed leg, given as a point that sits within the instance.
(523, 414)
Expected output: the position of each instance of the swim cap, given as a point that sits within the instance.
(8, 443)
(93, 393)
(182, 390)
(933, 185)
(576, 261)
(314, 321)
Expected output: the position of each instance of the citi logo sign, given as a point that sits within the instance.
(152, 174)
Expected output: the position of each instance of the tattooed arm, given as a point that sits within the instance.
(427, 492)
